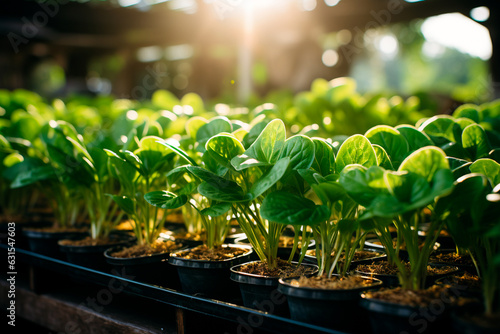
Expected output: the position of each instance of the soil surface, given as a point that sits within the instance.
(358, 255)
(486, 321)
(55, 229)
(283, 269)
(158, 247)
(466, 279)
(418, 298)
(451, 258)
(187, 236)
(332, 283)
(88, 241)
(384, 268)
(218, 254)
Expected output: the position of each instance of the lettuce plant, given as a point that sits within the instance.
(402, 198)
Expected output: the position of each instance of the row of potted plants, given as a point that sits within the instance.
(405, 185)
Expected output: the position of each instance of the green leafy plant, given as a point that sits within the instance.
(138, 173)
(402, 198)
(86, 171)
(244, 177)
(472, 216)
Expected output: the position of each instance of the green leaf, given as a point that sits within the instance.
(179, 152)
(475, 142)
(270, 178)
(383, 159)
(357, 149)
(267, 147)
(165, 199)
(300, 150)
(425, 162)
(193, 124)
(324, 159)
(469, 111)
(441, 129)
(329, 192)
(363, 184)
(415, 138)
(489, 168)
(125, 203)
(225, 147)
(223, 194)
(214, 127)
(217, 210)
(286, 208)
(391, 140)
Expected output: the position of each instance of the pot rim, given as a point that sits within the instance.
(242, 277)
(136, 259)
(326, 294)
(176, 260)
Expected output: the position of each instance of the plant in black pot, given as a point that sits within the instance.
(242, 178)
(326, 299)
(204, 269)
(472, 216)
(87, 168)
(405, 198)
(69, 213)
(140, 170)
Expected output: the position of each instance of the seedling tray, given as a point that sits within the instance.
(229, 312)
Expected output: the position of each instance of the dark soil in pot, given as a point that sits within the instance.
(206, 272)
(329, 302)
(471, 319)
(365, 256)
(451, 258)
(44, 241)
(466, 284)
(183, 237)
(403, 254)
(389, 273)
(88, 252)
(395, 311)
(259, 285)
(146, 263)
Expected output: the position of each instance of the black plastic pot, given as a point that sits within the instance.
(93, 256)
(209, 278)
(336, 309)
(46, 242)
(391, 318)
(461, 318)
(469, 268)
(261, 292)
(460, 289)
(152, 269)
